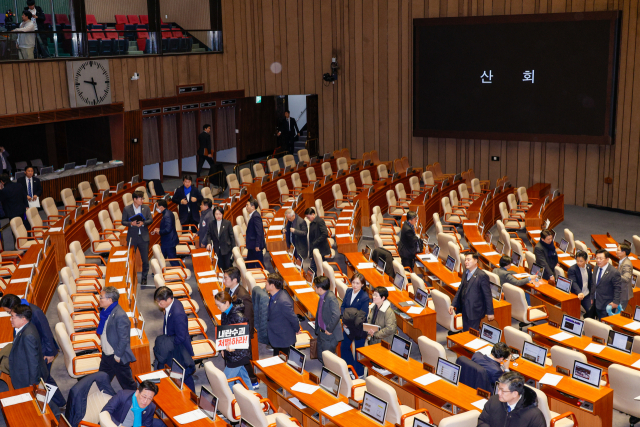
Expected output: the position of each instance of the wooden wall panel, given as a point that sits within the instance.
(105, 11)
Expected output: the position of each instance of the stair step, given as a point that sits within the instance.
(135, 52)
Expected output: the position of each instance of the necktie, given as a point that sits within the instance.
(164, 326)
(508, 408)
(289, 124)
(29, 187)
(4, 164)
(599, 276)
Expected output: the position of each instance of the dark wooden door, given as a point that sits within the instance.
(256, 124)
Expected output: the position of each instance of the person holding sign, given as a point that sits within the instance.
(232, 310)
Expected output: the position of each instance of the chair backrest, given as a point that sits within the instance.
(206, 192)
(365, 177)
(92, 231)
(517, 248)
(636, 244)
(568, 236)
(512, 202)
(516, 338)
(543, 404)
(318, 259)
(446, 205)
(152, 188)
(625, 382)
(326, 169)
(475, 186)
(389, 395)
(75, 248)
(102, 183)
(443, 240)
(342, 164)
(374, 156)
(337, 192)
(530, 258)
(303, 155)
(581, 246)
(430, 351)
(84, 189)
(351, 184)
(289, 160)
(561, 356)
(258, 170)
(127, 199)
(273, 165)
(328, 272)
(504, 213)
(382, 171)
(157, 254)
(67, 198)
(33, 217)
(237, 233)
(522, 194)
(115, 212)
(49, 207)
(516, 297)
(417, 282)
(283, 188)
(311, 174)
(391, 198)
(463, 190)
(453, 197)
(400, 191)
(263, 203)
(441, 304)
(319, 208)
(339, 366)
(245, 176)
(465, 419)
(105, 221)
(454, 251)
(414, 184)
(295, 180)
(232, 181)
(18, 229)
(596, 328)
(67, 348)
(220, 388)
(506, 239)
(250, 406)
(427, 178)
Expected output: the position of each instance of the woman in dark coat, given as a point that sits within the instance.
(232, 311)
(355, 297)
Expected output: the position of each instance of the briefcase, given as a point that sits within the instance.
(313, 348)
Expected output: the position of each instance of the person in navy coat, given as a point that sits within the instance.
(282, 322)
(168, 234)
(175, 323)
(120, 408)
(577, 273)
(255, 233)
(188, 199)
(355, 297)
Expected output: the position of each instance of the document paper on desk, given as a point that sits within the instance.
(480, 403)
(276, 227)
(634, 326)
(636, 364)
(269, 361)
(118, 259)
(210, 280)
(120, 253)
(365, 265)
(594, 348)
(207, 273)
(564, 255)
(298, 283)
(116, 279)
(479, 243)
(521, 275)
(455, 284)
(428, 258)
(551, 379)
(200, 254)
(476, 344)
(303, 290)
(305, 388)
(153, 375)
(14, 400)
(490, 253)
(337, 409)
(415, 310)
(279, 253)
(190, 417)
(25, 266)
(427, 379)
(288, 265)
(561, 336)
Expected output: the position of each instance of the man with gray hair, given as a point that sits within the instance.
(296, 234)
(514, 405)
(114, 330)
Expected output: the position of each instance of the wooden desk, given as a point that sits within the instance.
(270, 189)
(379, 197)
(275, 240)
(171, 401)
(539, 190)
(554, 212)
(232, 211)
(279, 380)
(305, 303)
(413, 394)
(600, 241)
(414, 325)
(26, 413)
(54, 183)
(426, 208)
(619, 323)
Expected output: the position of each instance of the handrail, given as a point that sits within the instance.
(301, 114)
(236, 168)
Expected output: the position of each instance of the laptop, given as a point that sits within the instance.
(563, 284)
(563, 245)
(451, 263)
(421, 297)
(401, 347)
(537, 270)
(490, 334)
(496, 291)
(135, 179)
(399, 280)
(620, 341)
(296, 359)
(586, 373)
(381, 266)
(572, 325)
(419, 423)
(448, 370)
(374, 408)
(69, 166)
(208, 403)
(534, 353)
(177, 374)
(435, 251)
(330, 382)
(42, 396)
(91, 162)
(367, 252)
(515, 258)
(500, 247)
(45, 170)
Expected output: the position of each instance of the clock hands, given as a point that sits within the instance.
(94, 84)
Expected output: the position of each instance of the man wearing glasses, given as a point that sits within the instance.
(513, 405)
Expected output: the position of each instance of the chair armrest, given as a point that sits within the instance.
(455, 322)
(355, 386)
(336, 264)
(93, 244)
(86, 356)
(176, 259)
(83, 321)
(399, 207)
(234, 379)
(413, 414)
(90, 267)
(87, 424)
(353, 371)
(553, 421)
(537, 307)
(395, 223)
(96, 257)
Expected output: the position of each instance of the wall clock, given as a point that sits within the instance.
(89, 83)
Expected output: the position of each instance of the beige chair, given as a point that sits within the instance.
(127, 199)
(342, 164)
(289, 161)
(173, 281)
(116, 215)
(37, 225)
(51, 210)
(180, 271)
(454, 251)
(241, 243)
(69, 202)
(443, 240)
(219, 384)
(326, 169)
(551, 418)
(568, 236)
(523, 198)
(514, 210)
(339, 201)
(441, 303)
(297, 183)
(465, 195)
(102, 184)
(96, 401)
(561, 356)
(273, 166)
(510, 222)
(353, 389)
(234, 185)
(430, 351)
(338, 285)
(109, 230)
(456, 203)
(184, 236)
(428, 181)
(24, 239)
(153, 195)
(79, 302)
(386, 223)
(530, 259)
(286, 196)
(252, 407)
(520, 310)
(303, 155)
(517, 248)
(414, 186)
(259, 274)
(464, 419)
(266, 209)
(624, 381)
(80, 341)
(395, 209)
(382, 172)
(595, 328)
(445, 228)
(85, 191)
(258, 171)
(77, 366)
(402, 195)
(100, 243)
(397, 414)
(636, 244)
(76, 321)
(88, 278)
(449, 215)
(311, 175)
(245, 176)
(366, 179)
(506, 241)
(515, 338)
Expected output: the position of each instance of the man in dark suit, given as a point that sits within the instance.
(410, 244)
(26, 362)
(495, 363)
(31, 185)
(188, 199)
(288, 129)
(581, 276)
(255, 233)
(473, 298)
(506, 276)
(296, 233)
(115, 336)
(168, 234)
(119, 411)
(204, 143)
(221, 238)
(5, 166)
(328, 328)
(282, 322)
(546, 255)
(175, 323)
(607, 285)
(318, 235)
(206, 219)
(232, 278)
(14, 200)
(138, 233)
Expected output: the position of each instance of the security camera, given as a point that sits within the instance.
(333, 76)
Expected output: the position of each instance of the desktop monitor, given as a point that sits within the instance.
(208, 403)
(435, 251)
(287, 169)
(381, 265)
(421, 297)
(537, 270)
(66, 222)
(451, 263)
(534, 353)
(374, 408)
(586, 373)
(515, 259)
(496, 291)
(45, 170)
(490, 334)
(500, 247)
(69, 166)
(78, 212)
(572, 325)
(296, 359)
(327, 179)
(419, 423)
(266, 179)
(636, 315)
(327, 156)
(401, 347)
(298, 263)
(399, 280)
(434, 191)
(620, 341)
(135, 179)
(330, 382)
(47, 242)
(353, 168)
(563, 284)
(448, 370)
(563, 245)
(91, 162)
(177, 374)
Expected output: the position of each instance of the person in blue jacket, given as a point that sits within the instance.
(132, 408)
(168, 234)
(355, 297)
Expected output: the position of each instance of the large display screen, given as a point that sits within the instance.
(545, 77)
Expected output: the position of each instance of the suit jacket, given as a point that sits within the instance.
(206, 219)
(224, 242)
(609, 289)
(494, 371)
(5, 154)
(282, 322)
(132, 232)
(543, 260)
(204, 142)
(318, 235)
(36, 185)
(190, 209)
(26, 361)
(330, 316)
(284, 128)
(410, 244)
(255, 232)
(47, 342)
(473, 298)
(118, 332)
(299, 236)
(168, 234)
(506, 276)
(177, 326)
(244, 295)
(626, 274)
(361, 302)
(14, 200)
(575, 275)
(120, 404)
(40, 17)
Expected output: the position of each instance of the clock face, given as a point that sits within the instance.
(92, 83)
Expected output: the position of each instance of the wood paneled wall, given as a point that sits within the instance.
(189, 14)
(105, 10)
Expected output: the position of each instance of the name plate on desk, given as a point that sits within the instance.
(563, 371)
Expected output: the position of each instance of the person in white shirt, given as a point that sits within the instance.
(31, 184)
(580, 275)
(26, 42)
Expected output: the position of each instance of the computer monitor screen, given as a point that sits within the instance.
(330, 381)
(496, 291)
(296, 359)
(563, 245)
(340, 173)
(327, 179)
(499, 247)
(436, 251)
(586, 373)
(381, 265)
(92, 162)
(298, 263)
(572, 325)
(419, 423)
(451, 263)
(421, 297)
(401, 347)
(537, 270)
(447, 370)
(487, 237)
(634, 280)
(515, 258)
(563, 284)
(490, 334)
(69, 166)
(534, 353)
(177, 374)
(367, 252)
(620, 341)
(374, 408)
(46, 170)
(398, 281)
(287, 169)
(208, 403)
